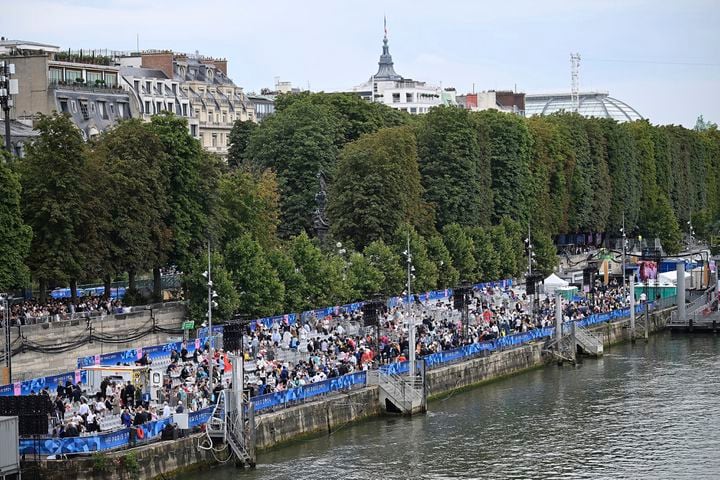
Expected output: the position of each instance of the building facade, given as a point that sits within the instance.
(84, 87)
(503, 100)
(404, 94)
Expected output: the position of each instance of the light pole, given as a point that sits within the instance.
(8, 87)
(624, 248)
(6, 331)
(211, 303)
(410, 316)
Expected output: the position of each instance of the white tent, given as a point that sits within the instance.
(554, 282)
(669, 278)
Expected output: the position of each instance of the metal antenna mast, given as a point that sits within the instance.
(575, 85)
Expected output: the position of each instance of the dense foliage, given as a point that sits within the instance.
(460, 187)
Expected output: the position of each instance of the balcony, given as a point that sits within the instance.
(84, 87)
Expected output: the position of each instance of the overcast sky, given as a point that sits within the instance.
(660, 56)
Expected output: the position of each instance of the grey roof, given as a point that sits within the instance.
(14, 43)
(385, 65)
(142, 72)
(19, 129)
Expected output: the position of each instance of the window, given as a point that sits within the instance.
(413, 110)
(102, 109)
(193, 130)
(64, 106)
(72, 75)
(84, 109)
(184, 110)
(408, 97)
(171, 107)
(210, 116)
(111, 80)
(73, 106)
(147, 108)
(148, 87)
(396, 98)
(174, 88)
(94, 78)
(55, 75)
(224, 117)
(123, 110)
(137, 86)
(214, 140)
(158, 107)
(202, 139)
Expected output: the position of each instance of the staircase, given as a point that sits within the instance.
(588, 342)
(238, 431)
(401, 394)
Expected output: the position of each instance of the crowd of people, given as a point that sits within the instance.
(29, 312)
(281, 356)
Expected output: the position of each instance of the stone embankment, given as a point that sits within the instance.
(322, 416)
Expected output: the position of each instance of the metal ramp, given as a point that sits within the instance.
(402, 394)
(588, 343)
(233, 420)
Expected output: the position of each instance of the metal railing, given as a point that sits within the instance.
(404, 390)
(588, 341)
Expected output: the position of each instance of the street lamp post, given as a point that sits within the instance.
(6, 331)
(211, 303)
(409, 313)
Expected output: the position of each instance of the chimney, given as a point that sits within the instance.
(221, 65)
(159, 61)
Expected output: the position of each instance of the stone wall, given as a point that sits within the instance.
(30, 364)
(322, 416)
(147, 462)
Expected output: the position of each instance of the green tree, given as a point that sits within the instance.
(661, 223)
(131, 155)
(239, 139)
(296, 143)
(384, 259)
(192, 176)
(489, 263)
(54, 190)
(292, 279)
(249, 203)
(448, 275)
(377, 187)
(461, 249)
(425, 272)
(227, 298)
(364, 278)
(506, 139)
(15, 236)
(455, 175)
(260, 290)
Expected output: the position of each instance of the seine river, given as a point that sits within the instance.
(643, 411)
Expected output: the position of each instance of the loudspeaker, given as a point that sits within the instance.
(32, 412)
(461, 296)
(232, 337)
(371, 311)
(530, 286)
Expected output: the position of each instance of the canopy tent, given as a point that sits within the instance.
(670, 278)
(553, 282)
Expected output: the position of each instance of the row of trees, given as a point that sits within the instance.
(461, 186)
(563, 173)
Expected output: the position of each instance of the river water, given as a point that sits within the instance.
(643, 411)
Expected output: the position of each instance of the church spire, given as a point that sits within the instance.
(386, 71)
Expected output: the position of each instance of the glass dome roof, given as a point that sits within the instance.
(592, 104)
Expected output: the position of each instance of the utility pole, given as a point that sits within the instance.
(410, 316)
(530, 250)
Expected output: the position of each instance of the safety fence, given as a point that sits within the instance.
(107, 441)
(297, 395)
(435, 360)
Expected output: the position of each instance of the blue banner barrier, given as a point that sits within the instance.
(68, 446)
(36, 384)
(263, 402)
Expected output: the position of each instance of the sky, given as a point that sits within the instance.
(662, 57)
